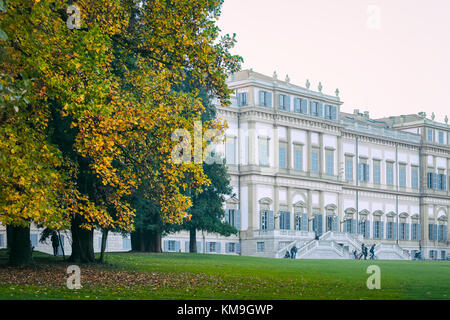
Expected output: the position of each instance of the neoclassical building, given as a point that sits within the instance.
(306, 174)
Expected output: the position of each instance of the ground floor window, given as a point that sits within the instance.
(433, 254)
(231, 247)
(378, 232)
(443, 255)
(260, 246)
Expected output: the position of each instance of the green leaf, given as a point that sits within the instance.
(3, 35)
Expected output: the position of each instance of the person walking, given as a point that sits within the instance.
(293, 252)
(365, 252)
(55, 243)
(372, 252)
(362, 251)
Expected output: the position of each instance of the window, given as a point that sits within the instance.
(266, 221)
(212, 246)
(433, 254)
(442, 181)
(285, 220)
(260, 246)
(264, 151)
(378, 229)
(376, 171)
(363, 173)
(265, 99)
(298, 158)
(432, 232)
(442, 254)
(404, 231)
(350, 225)
(390, 230)
(441, 137)
(301, 221)
(415, 177)
(284, 102)
(230, 217)
(282, 155)
(442, 233)
(100, 243)
(430, 135)
(349, 168)
(126, 243)
(330, 112)
(2, 240)
(390, 174)
(402, 175)
(316, 109)
(415, 231)
(231, 247)
(242, 99)
(329, 162)
(231, 150)
(300, 105)
(315, 161)
(171, 245)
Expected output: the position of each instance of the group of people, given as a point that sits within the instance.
(293, 253)
(365, 252)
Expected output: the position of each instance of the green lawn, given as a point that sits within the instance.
(200, 276)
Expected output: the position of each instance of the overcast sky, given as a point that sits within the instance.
(389, 57)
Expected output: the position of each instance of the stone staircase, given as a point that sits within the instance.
(391, 251)
(340, 245)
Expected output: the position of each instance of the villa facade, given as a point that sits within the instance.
(306, 174)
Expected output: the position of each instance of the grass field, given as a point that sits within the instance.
(200, 276)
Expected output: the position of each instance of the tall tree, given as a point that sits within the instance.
(113, 79)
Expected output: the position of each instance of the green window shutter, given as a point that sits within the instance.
(282, 158)
(367, 231)
(218, 249)
(335, 224)
(262, 101)
(406, 231)
(288, 103)
(354, 226)
(177, 246)
(227, 215)
(304, 222)
(238, 248)
(237, 218)
(166, 245)
(270, 221)
(381, 229)
(269, 99)
(395, 234)
(304, 106)
(298, 160)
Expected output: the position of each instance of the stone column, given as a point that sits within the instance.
(340, 209)
(289, 203)
(322, 211)
(276, 206)
(309, 206)
(253, 218)
(340, 161)
(308, 152)
(251, 143)
(290, 164)
(276, 148)
(321, 156)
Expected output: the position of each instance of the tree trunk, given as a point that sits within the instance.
(192, 240)
(103, 248)
(20, 246)
(62, 246)
(157, 237)
(136, 241)
(82, 244)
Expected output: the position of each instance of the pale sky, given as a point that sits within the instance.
(397, 64)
